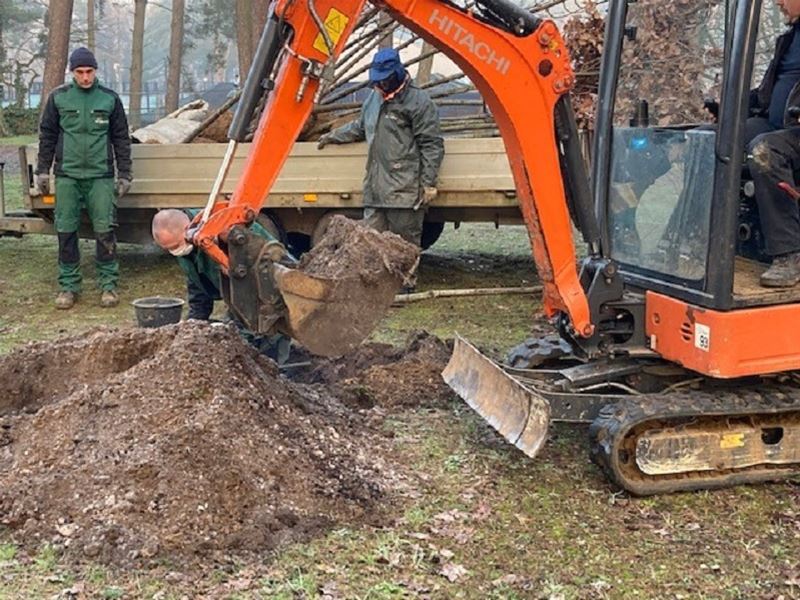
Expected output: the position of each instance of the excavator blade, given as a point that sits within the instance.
(332, 316)
(518, 414)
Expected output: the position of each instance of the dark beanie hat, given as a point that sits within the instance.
(82, 57)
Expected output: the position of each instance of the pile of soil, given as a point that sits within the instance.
(388, 376)
(121, 446)
(349, 247)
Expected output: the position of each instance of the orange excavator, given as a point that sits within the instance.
(680, 361)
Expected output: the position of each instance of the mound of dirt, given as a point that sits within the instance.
(349, 247)
(388, 376)
(121, 446)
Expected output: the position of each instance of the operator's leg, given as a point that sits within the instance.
(67, 221)
(375, 218)
(754, 127)
(774, 158)
(101, 205)
(407, 223)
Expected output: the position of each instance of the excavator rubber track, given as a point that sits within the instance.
(699, 439)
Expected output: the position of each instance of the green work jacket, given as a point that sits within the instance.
(203, 281)
(85, 131)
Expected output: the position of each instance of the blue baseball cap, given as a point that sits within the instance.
(385, 63)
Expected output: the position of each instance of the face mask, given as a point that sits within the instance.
(182, 250)
(390, 84)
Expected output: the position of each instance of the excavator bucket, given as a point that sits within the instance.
(517, 413)
(269, 292)
(331, 316)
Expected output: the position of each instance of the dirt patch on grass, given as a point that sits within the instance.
(180, 442)
(386, 375)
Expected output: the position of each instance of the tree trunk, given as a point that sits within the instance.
(244, 37)
(425, 65)
(251, 18)
(91, 25)
(135, 105)
(58, 22)
(4, 131)
(175, 56)
(385, 20)
(3, 58)
(258, 22)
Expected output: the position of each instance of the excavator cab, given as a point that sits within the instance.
(668, 182)
(671, 189)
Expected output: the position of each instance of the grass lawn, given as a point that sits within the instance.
(486, 522)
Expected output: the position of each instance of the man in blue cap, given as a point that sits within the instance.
(84, 131)
(401, 126)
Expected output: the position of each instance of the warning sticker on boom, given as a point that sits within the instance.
(335, 24)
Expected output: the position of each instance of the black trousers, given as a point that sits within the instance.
(774, 157)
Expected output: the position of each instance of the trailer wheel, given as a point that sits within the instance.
(270, 221)
(431, 230)
(321, 225)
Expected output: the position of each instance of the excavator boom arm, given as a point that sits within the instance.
(518, 63)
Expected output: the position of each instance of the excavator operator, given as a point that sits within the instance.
(401, 125)
(774, 152)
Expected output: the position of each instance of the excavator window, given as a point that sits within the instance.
(661, 171)
(662, 182)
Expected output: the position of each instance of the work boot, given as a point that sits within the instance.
(109, 298)
(66, 300)
(784, 272)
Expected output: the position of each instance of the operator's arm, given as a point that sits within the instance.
(48, 136)
(351, 132)
(428, 136)
(201, 305)
(121, 141)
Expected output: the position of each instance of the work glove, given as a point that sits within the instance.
(324, 141)
(122, 186)
(429, 194)
(712, 106)
(43, 183)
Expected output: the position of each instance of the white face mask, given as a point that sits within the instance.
(182, 250)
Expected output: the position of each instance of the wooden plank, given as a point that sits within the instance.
(747, 290)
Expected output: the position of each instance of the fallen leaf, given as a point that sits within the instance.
(329, 591)
(509, 579)
(482, 512)
(453, 571)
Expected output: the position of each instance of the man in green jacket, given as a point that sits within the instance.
(84, 130)
(203, 277)
(401, 126)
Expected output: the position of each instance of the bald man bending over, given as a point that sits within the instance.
(203, 280)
